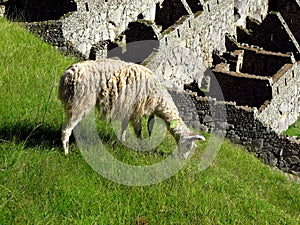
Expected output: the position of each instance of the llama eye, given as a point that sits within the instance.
(189, 145)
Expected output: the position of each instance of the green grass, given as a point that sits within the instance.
(40, 185)
(294, 130)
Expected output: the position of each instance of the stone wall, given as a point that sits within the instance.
(187, 109)
(241, 126)
(186, 47)
(255, 9)
(103, 20)
(284, 108)
(275, 98)
(52, 33)
(188, 31)
(49, 31)
(2, 10)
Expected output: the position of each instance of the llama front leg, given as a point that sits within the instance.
(150, 124)
(124, 129)
(137, 127)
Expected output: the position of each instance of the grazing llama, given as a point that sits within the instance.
(123, 91)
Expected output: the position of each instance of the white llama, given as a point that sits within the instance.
(123, 91)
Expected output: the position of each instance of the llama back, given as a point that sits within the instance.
(84, 77)
(126, 89)
(120, 88)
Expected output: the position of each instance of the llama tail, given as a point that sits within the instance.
(67, 86)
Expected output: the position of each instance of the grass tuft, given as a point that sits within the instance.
(294, 130)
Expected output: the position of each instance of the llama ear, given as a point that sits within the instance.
(196, 137)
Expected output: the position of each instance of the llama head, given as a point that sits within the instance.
(187, 143)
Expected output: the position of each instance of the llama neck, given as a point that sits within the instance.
(178, 129)
(169, 113)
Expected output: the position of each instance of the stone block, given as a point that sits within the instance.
(258, 144)
(293, 160)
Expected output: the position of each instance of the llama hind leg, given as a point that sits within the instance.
(67, 131)
(65, 135)
(74, 117)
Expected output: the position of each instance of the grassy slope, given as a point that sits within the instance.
(38, 184)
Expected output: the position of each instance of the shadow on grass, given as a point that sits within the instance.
(41, 135)
(31, 135)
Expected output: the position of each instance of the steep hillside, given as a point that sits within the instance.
(39, 184)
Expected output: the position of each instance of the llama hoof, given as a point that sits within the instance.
(66, 148)
(182, 156)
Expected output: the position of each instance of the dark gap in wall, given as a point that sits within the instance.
(169, 13)
(141, 41)
(262, 64)
(243, 91)
(195, 5)
(208, 9)
(231, 43)
(290, 12)
(87, 7)
(37, 10)
(140, 16)
(194, 87)
(113, 45)
(276, 5)
(237, 15)
(272, 37)
(139, 31)
(217, 58)
(178, 33)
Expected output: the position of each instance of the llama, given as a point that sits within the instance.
(121, 90)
